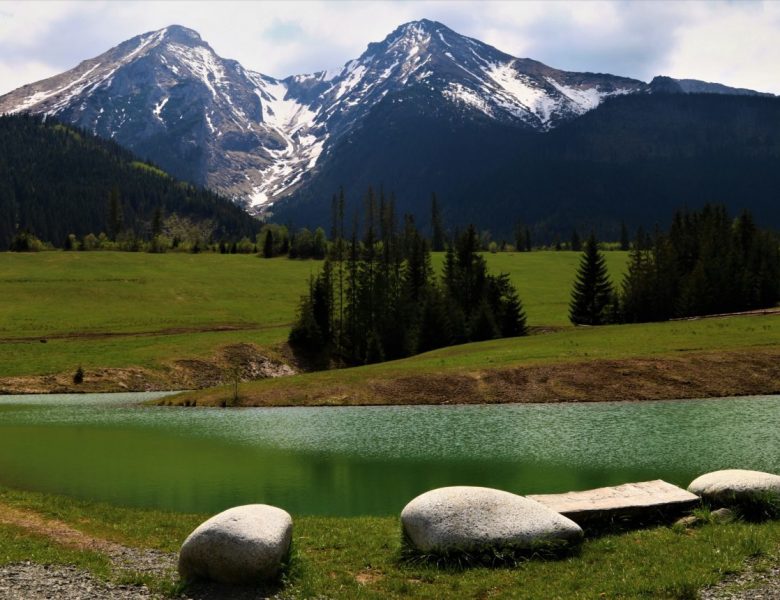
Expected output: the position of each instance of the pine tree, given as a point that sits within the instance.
(157, 222)
(592, 292)
(623, 236)
(576, 243)
(506, 304)
(437, 229)
(114, 213)
(519, 237)
(305, 334)
(268, 245)
(636, 287)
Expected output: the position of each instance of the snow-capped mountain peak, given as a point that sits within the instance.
(168, 96)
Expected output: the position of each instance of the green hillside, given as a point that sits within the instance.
(56, 180)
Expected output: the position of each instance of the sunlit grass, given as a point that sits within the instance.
(361, 557)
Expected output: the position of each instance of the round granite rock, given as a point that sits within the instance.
(736, 486)
(245, 544)
(468, 519)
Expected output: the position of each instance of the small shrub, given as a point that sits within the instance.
(24, 241)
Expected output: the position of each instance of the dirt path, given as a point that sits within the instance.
(98, 335)
(30, 581)
(122, 557)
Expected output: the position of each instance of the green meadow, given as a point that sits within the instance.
(161, 307)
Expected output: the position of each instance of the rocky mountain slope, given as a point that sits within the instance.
(170, 98)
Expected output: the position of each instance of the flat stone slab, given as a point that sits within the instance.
(646, 500)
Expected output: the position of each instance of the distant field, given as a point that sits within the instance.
(181, 305)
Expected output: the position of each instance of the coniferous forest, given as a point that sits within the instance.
(377, 297)
(57, 180)
(708, 263)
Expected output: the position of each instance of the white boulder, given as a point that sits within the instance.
(245, 544)
(463, 519)
(735, 485)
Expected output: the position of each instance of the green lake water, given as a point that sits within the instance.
(366, 460)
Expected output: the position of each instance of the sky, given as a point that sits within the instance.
(732, 42)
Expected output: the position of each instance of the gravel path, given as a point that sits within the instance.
(28, 581)
(752, 584)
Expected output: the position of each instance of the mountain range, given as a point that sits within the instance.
(424, 110)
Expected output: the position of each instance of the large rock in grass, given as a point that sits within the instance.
(246, 544)
(476, 519)
(737, 486)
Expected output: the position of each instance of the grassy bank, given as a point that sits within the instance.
(120, 309)
(681, 359)
(142, 321)
(360, 557)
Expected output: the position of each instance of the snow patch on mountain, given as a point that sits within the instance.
(257, 137)
(457, 92)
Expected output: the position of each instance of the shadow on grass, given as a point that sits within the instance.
(499, 556)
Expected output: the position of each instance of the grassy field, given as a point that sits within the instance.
(360, 557)
(167, 306)
(729, 351)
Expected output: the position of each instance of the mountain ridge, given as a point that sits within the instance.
(167, 96)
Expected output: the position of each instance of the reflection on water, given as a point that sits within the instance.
(366, 460)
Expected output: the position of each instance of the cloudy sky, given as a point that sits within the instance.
(732, 42)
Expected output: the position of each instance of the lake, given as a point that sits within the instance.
(366, 460)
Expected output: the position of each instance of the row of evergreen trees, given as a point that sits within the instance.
(706, 264)
(377, 297)
(56, 180)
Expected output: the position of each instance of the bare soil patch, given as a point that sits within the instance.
(690, 375)
(246, 361)
(99, 335)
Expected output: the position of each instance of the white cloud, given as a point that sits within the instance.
(738, 45)
(733, 43)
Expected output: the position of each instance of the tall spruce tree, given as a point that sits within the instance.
(437, 228)
(592, 293)
(624, 242)
(576, 242)
(268, 245)
(115, 216)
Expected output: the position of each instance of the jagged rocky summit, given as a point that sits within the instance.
(169, 97)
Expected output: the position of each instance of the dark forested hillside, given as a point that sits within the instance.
(635, 158)
(56, 180)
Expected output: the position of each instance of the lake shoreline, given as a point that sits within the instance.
(689, 375)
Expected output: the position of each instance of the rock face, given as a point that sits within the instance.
(245, 544)
(463, 519)
(641, 502)
(735, 486)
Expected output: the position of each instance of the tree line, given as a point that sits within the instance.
(57, 181)
(377, 297)
(707, 263)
